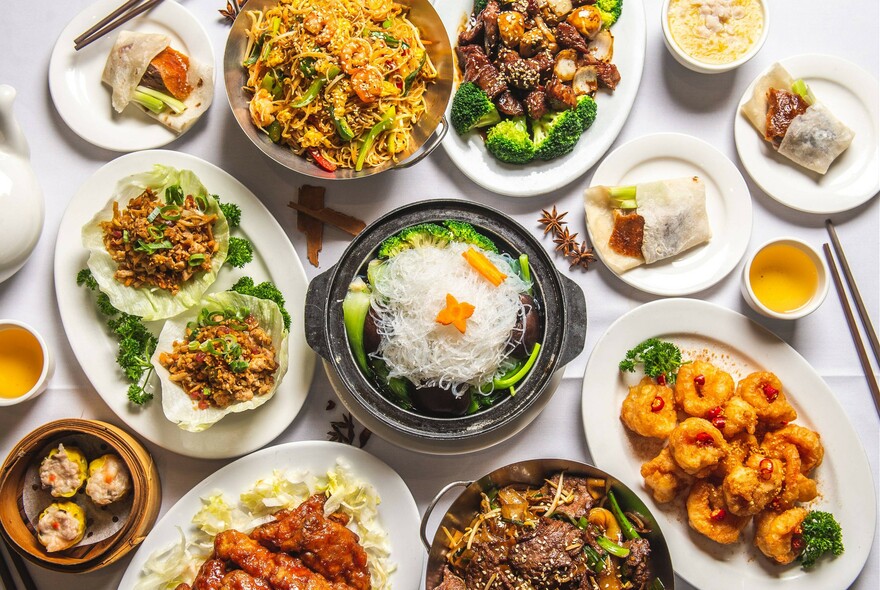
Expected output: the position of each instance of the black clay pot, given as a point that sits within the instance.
(562, 339)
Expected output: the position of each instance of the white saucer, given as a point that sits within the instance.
(75, 76)
(852, 95)
(728, 204)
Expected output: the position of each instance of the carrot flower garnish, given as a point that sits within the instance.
(455, 313)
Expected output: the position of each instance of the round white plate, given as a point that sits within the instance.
(95, 349)
(83, 101)
(469, 153)
(728, 204)
(398, 512)
(740, 346)
(852, 95)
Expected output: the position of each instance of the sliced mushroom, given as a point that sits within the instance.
(587, 20)
(511, 26)
(602, 45)
(560, 8)
(566, 64)
(586, 80)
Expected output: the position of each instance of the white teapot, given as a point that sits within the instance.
(21, 201)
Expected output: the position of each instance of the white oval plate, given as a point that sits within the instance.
(728, 204)
(740, 346)
(83, 101)
(398, 512)
(469, 153)
(95, 349)
(852, 95)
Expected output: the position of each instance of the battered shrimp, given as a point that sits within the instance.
(321, 25)
(697, 446)
(734, 417)
(367, 83)
(378, 10)
(777, 534)
(649, 409)
(807, 442)
(749, 488)
(763, 391)
(355, 53)
(700, 387)
(796, 486)
(707, 514)
(664, 477)
(738, 449)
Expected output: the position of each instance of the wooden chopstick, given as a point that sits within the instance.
(854, 290)
(853, 328)
(125, 13)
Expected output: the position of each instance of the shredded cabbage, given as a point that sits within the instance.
(168, 567)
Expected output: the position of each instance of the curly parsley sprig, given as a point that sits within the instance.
(136, 342)
(657, 356)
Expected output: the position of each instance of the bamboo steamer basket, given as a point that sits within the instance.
(146, 501)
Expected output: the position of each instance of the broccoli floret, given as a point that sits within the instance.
(392, 247)
(265, 290)
(509, 141)
(232, 213)
(465, 232)
(426, 234)
(479, 5)
(471, 107)
(610, 10)
(241, 251)
(556, 134)
(586, 110)
(821, 534)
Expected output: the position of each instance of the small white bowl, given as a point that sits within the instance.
(48, 364)
(811, 306)
(706, 68)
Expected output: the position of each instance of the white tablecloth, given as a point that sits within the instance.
(671, 99)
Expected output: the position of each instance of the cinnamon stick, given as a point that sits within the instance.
(311, 197)
(346, 223)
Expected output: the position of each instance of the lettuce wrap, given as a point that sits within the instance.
(177, 405)
(153, 303)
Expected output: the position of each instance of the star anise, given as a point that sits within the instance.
(565, 241)
(233, 7)
(581, 255)
(552, 220)
(344, 431)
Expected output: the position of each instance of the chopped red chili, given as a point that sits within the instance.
(657, 404)
(714, 412)
(719, 422)
(770, 392)
(704, 439)
(699, 381)
(765, 468)
(661, 379)
(718, 514)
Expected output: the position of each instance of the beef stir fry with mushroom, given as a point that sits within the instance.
(569, 534)
(531, 69)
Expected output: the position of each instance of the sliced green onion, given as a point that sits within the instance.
(276, 24)
(525, 270)
(307, 67)
(201, 202)
(125, 237)
(151, 247)
(170, 212)
(612, 547)
(390, 40)
(206, 391)
(174, 104)
(153, 214)
(174, 194)
(594, 560)
(238, 366)
(193, 346)
(803, 90)
(255, 51)
(629, 531)
(274, 131)
(387, 23)
(196, 259)
(156, 232)
(411, 77)
(150, 103)
(504, 383)
(383, 125)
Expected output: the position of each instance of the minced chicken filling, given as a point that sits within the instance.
(61, 474)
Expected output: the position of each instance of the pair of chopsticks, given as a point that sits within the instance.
(18, 564)
(120, 16)
(847, 310)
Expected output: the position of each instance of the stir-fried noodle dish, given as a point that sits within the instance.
(341, 81)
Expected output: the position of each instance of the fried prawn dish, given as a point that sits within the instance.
(732, 447)
(340, 81)
(301, 549)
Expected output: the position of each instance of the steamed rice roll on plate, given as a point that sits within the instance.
(109, 480)
(785, 112)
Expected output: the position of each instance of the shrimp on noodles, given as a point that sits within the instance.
(697, 446)
(708, 514)
(649, 409)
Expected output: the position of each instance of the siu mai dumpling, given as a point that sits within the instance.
(648, 222)
(785, 112)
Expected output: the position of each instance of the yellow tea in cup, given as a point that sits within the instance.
(783, 277)
(21, 361)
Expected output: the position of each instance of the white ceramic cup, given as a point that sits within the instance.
(806, 309)
(706, 68)
(48, 364)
